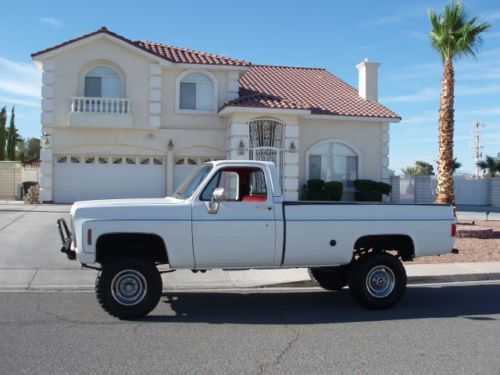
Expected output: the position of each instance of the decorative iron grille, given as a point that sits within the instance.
(266, 142)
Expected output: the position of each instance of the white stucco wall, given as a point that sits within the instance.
(364, 137)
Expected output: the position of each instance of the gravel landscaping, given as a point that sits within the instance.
(472, 249)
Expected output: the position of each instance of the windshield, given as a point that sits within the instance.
(191, 183)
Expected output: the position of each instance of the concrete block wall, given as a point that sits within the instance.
(10, 179)
(395, 192)
(495, 192)
(423, 190)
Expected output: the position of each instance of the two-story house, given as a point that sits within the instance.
(125, 118)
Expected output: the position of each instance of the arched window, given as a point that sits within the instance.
(103, 82)
(333, 161)
(196, 92)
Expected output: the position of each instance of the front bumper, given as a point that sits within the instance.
(66, 238)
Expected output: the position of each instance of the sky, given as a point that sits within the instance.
(332, 34)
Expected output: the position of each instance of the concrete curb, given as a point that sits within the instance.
(50, 280)
(427, 279)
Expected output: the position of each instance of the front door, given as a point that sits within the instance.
(242, 231)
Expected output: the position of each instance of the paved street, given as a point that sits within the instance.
(435, 329)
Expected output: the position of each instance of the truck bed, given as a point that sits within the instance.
(326, 232)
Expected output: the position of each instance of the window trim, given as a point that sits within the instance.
(215, 93)
(107, 64)
(269, 187)
(334, 140)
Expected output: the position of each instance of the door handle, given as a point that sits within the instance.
(269, 208)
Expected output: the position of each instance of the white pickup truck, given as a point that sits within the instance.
(231, 215)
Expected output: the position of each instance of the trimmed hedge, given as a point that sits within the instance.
(319, 190)
(315, 185)
(370, 191)
(333, 190)
(363, 185)
(383, 188)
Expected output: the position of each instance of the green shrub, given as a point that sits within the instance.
(333, 190)
(363, 185)
(383, 187)
(315, 185)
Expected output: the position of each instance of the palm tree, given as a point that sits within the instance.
(490, 164)
(454, 34)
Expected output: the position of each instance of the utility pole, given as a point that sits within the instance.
(477, 145)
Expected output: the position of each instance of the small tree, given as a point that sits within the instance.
(421, 168)
(490, 164)
(12, 137)
(32, 148)
(3, 132)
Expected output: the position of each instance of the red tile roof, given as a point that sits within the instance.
(187, 56)
(314, 89)
(170, 53)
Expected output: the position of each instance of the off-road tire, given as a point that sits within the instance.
(366, 280)
(108, 293)
(330, 278)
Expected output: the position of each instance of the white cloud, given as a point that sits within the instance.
(419, 35)
(19, 79)
(52, 22)
(16, 101)
(19, 83)
(492, 16)
(432, 94)
(422, 95)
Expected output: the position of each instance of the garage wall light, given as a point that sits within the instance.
(241, 148)
(170, 145)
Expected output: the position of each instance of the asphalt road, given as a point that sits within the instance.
(435, 329)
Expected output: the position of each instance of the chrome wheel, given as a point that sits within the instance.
(380, 281)
(129, 287)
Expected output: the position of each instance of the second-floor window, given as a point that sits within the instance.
(196, 92)
(103, 82)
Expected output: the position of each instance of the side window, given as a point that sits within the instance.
(228, 180)
(258, 183)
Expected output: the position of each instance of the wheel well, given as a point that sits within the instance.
(403, 244)
(151, 246)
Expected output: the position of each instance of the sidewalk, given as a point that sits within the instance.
(44, 279)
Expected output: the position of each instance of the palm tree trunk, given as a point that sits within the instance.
(446, 122)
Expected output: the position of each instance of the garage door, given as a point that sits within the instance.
(79, 177)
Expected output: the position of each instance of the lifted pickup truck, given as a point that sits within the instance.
(231, 215)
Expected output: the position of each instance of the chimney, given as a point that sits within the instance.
(368, 80)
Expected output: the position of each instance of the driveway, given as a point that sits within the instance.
(29, 237)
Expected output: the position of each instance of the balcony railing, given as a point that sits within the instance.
(101, 105)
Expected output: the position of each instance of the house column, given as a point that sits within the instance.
(170, 168)
(155, 96)
(385, 152)
(47, 120)
(238, 141)
(291, 163)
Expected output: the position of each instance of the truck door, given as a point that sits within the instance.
(238, 230)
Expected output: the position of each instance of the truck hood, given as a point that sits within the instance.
(128, 209)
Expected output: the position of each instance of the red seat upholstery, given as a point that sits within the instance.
(254, 198)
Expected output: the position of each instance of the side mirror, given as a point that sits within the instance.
(218, 195)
